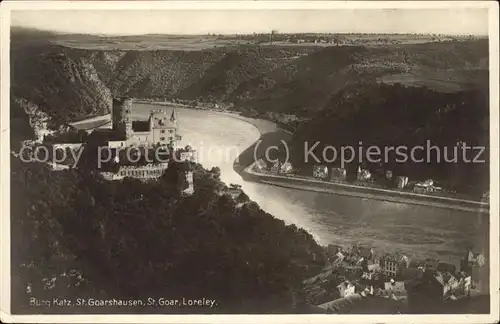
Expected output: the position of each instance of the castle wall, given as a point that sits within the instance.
(189, 178)
(63, 146)
(164, 136)
(149, 171)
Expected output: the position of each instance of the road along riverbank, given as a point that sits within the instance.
(364, 192)
(244, 166)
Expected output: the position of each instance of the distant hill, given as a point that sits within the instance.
(69, 83)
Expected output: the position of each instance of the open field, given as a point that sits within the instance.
(201, 42)
(446, 81)
(148, 42)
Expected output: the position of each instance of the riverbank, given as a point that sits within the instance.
(262, 125)
(364, 192)
(92, 122)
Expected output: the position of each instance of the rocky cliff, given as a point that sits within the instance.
(64, 85)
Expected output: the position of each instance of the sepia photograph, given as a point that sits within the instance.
(260, 158)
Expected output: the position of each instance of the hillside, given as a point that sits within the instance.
(63, 85)
(233, 69)
(130, 239)
(70, 83)
(398, 116)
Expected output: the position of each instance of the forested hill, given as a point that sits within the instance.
(76, 235)
(70, 83)
(398, 116)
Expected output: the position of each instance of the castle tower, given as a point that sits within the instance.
(117, 117)
(120, 115)
(127, 108)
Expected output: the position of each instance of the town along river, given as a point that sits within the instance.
(418, 231)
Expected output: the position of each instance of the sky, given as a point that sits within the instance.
(135, 22)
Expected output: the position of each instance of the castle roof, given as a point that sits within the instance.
(161, 120)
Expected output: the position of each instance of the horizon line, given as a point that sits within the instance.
(57, 32)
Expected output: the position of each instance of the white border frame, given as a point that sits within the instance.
(6, 8)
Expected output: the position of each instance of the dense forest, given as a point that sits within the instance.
(76, 235)
(394, 115)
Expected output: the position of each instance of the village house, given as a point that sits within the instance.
(260, 166)
(346, 288)
(286, 168)
(420, 188)
(368, 291)
(337, 263)
(446, 267)
(275, 168)
(362, 252)
(340, 255)
(464, 285)
(431, 265)
(333, 249)
(393, 263)
(372, 266)
(390, 267)
(433, 288)
(472, 264)
(350, 271)
(320, 171)
(426, 187)
(363, 174)
(401, 182)
(338, 174)
(448, 281)
(372, 271)
(395, 289)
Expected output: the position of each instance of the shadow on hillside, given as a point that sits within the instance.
(270, 142)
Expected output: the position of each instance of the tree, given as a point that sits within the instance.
(131, 239)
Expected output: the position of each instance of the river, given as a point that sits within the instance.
(418, 231)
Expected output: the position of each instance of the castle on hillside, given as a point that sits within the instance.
(159, 129)
(158, 132)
